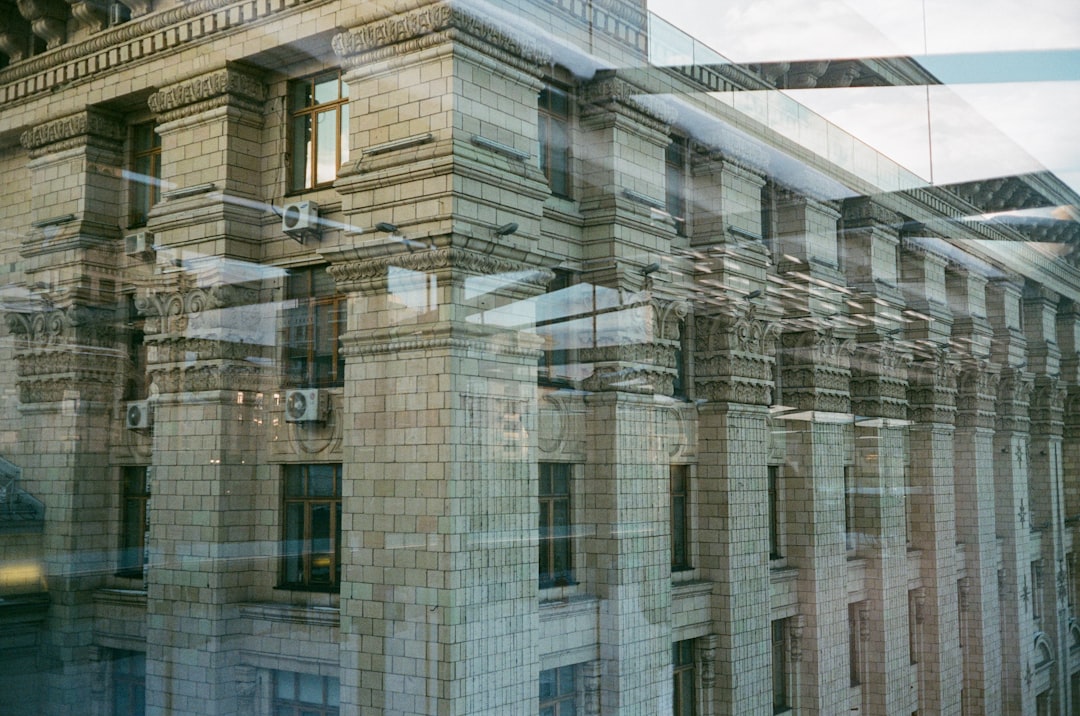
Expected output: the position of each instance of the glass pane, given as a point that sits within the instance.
(311, 689)
(343, 142)
(326, 143)
(333, 689)
(285, 686)
(548, 681)
(300, 151)
(327, 88)
(321, 480)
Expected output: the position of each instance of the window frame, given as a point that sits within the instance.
(676, 175)
(307, 553)
(131, 681)
(309, 113)
(134, 502)
(781, 657)
(563, 701)
(683, 668)
(309, 302)
(680, 529)
(555, 160)
(551, 544)
(281, 706)
(138, 206)
(775, 512)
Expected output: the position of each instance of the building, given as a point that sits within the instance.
(465, 358)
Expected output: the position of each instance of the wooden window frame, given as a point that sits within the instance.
(144, 163)
(303, 351)
(679, 491)
(304, 111)
(553, 109)
(556, 540)
(306, 553)
(134, 521)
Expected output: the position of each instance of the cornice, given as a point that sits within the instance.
(88, 122)
(434, 22)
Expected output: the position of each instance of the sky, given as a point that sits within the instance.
(974, 127)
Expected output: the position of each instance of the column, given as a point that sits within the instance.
(976, 526)
(932, 411)
(1011, 436)
(207, 333)
(68, 355)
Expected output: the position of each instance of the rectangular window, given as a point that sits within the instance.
(675, 187)
(556, 563)
(558, 324)
(684, 686)
(135, 387)
(144, 178)
(558, 691)
(305, 694)
(855, 643)
(1036, 589)
(781, 678)
(851, 539)
(318, 130)
(680, 520)
(312, 548)
(554, 135)
(314, 319)
(913, 626)
(135, 525)
(774, 514)
(129, 683)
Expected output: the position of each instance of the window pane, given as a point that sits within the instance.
(326, 143)
(301, 153)
(321, 480)
(311, 689)
(326, 88)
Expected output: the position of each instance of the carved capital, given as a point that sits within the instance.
(213, 89)
(977, 395)
(879, 373)
(734, 356)
(816, 370)
(1014, 396)
(932, 389)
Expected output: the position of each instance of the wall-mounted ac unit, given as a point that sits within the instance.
(140, 243)
(300, 220)
(304, 405)
(137, 415)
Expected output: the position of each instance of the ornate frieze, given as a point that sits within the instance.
(816, 370)
(370, 274)
(976, 397)
(1047, 408)
(734, 356)
(61, 131)
(225, 86)
(64, 352)
(608, 91)
(433, 25)
(879, 378)
(932, 389)
(1014, 396)
(168, 312)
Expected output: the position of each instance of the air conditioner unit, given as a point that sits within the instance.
(139, 244)
(137, 416)
(300, 220)
(304, 405)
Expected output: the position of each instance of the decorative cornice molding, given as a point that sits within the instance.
(198, 90)
(89, 122)
(370, 274)
(609, 89)
(433, 22)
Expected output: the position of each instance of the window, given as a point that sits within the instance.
(312, 526)
(913, 626)
(318, 130)
(314, 319)
(675, 185)
(555, 545)
(855, 650)
(774, 516)
(129, 683)
(851, 539)
(144, 179)
(558, 692)
(135, 388)
(305, 694)
(781, 676)
(554, 135)
(683, 688)
(135, 526)
(680, 520)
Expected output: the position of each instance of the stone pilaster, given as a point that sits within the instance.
(206, 341)
(815, 367)
(210, 199)
(932, 400)
(438, 603)
(976, 531)
(733, 361)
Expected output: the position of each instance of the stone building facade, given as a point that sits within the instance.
(460, 358)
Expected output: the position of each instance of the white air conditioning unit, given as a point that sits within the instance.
(300, 220)
(137, 415)
(304, 405)
(139, 244)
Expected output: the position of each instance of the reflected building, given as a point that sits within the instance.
(508, 358)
